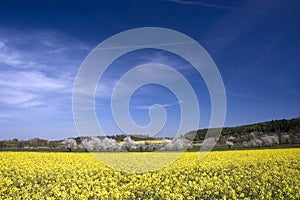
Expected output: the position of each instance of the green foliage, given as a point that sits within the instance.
(274, 126)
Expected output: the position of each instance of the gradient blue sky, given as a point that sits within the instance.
(255, 45)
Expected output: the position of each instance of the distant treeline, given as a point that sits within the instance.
(284, 126)
(286, 131)
(34, 143)
(37, 143)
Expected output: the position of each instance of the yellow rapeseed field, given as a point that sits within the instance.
(248, 174)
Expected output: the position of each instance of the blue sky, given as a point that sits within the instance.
(255, 45)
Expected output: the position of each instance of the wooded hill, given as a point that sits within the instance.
(275, 127)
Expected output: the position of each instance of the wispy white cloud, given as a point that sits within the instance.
(26, 88)
(149, 45)
(39, 49)
(13, 97)
(212, 5)
(163, 58)
(2, 45)
(30, 80)
(38, 68)
(5, 115)
(147, 107)
(7, 57)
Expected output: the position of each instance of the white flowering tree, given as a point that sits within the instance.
(128, 143)
(69, 144)
(270, 140)
(164, 145)
(84, 144)
(229, 144)
(109, 144)
(142, 146)
(115, 146)
(97, 144)
(177, 144)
